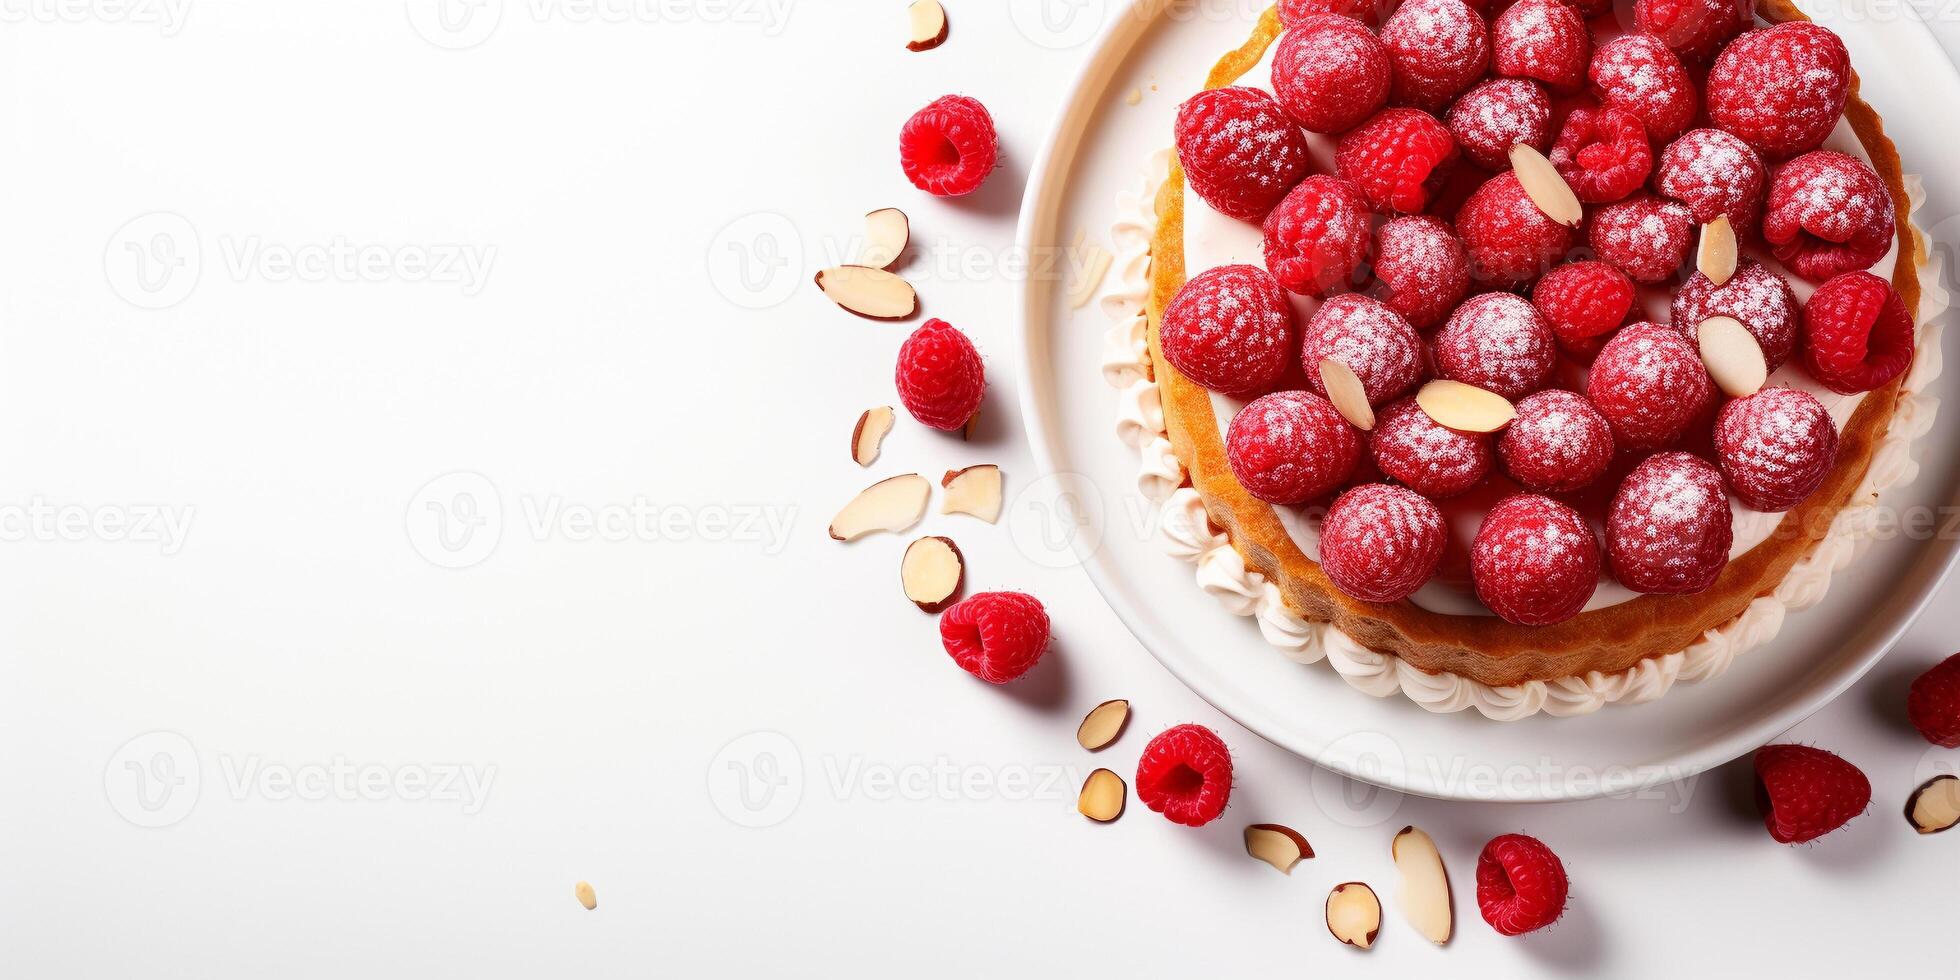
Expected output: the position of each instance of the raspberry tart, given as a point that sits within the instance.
(1524, 359)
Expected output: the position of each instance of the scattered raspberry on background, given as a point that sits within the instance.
(1637, 73)
(1369, 12)
(995, 636)
(1330, 72)
(1775, 447)
(949, 147)
(1781, 88)
(1498, 114)
(1380, 543)
(940, 378)
(1421, 269)
(1497, 342)
(1185, 774)
(1602, 154)
(1805, 792)
(1933, 703)
(1713, 173)
(1828, 213)
(1397, 158)
(1647, 237)
(1291, 447)
(1521, 884)
(1535, 561)
(1239, 151)
(1669, 528)
(1510, 241)
(1558, 443)
(1857, 333)
(1230, 330)
(1756, 297)
(1583, 300)
(1316, 240)
(1371, 339)
(1693, 29)
(1434, 461)
(1438, 48)
(1650, 384)
(1541, 39)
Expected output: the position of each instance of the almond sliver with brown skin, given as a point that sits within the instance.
(1349, 395)
(1102, 725)
(1103, 795)
(1465, 408)
(1547, 190)
(888, 505)
(870, 293)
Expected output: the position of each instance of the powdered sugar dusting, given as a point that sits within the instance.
(1670, 526)
(1755, 296)
(1498, 342)
(1775, 447)
(1434, 461)
(1382, 349)
(1499, 114)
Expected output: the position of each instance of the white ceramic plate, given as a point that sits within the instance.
(1097, 148)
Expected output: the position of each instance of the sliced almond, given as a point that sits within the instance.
(869, 436)
(1281, 847)
(1102, 796)
(931, 572)
(1354, 914)
(1102, 724)
(1465, 408)
(585, 895)
(1349, 395)
(1934, 806)
(1545, 187)
(1718, 253)
(1732, 355)
(1425, 884)
(888, 505)
(870, 293)
(887, 231)
(974, 490)
(928, 25)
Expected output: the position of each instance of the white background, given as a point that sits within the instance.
(604, 690)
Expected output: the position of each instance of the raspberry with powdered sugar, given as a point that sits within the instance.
(1421, 268)
(1291, 447)
(1775, 447)
(1647, 237)
(1559, 443)
(1239, 151)
(1380, 543)
(1637, 73)
(1713, 173)
(1434, 461)
(1380, 347)
(1828, 213)
(1330, 72)
(1541, 39)
(1669, 528)
(1437, 49)
(1650, 384)
(1535, 561)
(1499, 114)
(1497, 342)
(1754, 296)
(1316, 240)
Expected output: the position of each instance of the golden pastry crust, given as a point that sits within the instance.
(1484, 648)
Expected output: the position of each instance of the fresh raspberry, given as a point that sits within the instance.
(1541, 39)
(1186, 775)
(1499, 114)
(1646, 236)
(1933, 703)
(1499, 343)
(1582, 300)
(1521, 885)
(1781, 88)
(1421, 269)
(995, 636)
(1693, 29)
(1650, 384)
(1397, 158)
(1558, 443)
(1230, 329)
(1857, 334)
(1510, 241)
(1379, 543)
(940, 378)
(1373, 340)
(1602, 154)
(1330, 72)
(1535, 561)
(1291, 447)
(1239, 151)
(1828, 213)
(1438, 48)
(1591, 8)
(1369, 12)
(1434, 461)
(1805, 792)
(949, 147)
(1775, 447)
(1756, 297)
(1637, 73)
(1712, 173)
(1669, 528)
(1316, 240)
